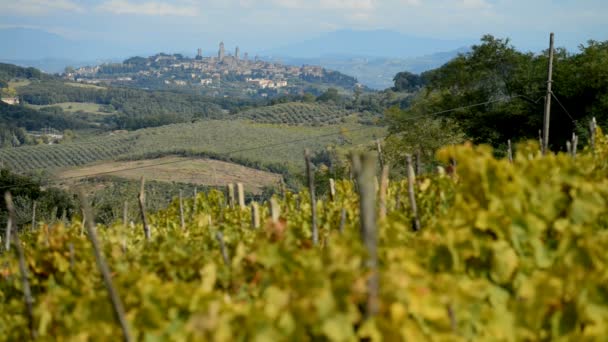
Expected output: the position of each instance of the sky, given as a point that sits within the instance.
(264, 24)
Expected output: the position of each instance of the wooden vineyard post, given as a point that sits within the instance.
(231, 195)
(379, 149)
(194, 201)
(71, 248)
(342, 220)
(255, 215)
(332, 189)
(540, 141)
(418, 162)
(241, 194)
(181, 211)
(365, 170)
(282, 189)
(383, 192)
(574, 144)
(220, 238)
(142, 208)
(592, 130)
(33, 226)
(411, 178)
(313, 201)
(27, 292)
(275, 210)
(125, 214)
(119, 311)
(8, 199)
(509, 151)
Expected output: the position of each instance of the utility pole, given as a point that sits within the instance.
(547, 118)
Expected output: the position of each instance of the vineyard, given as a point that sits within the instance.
(234, 139)
(506, 251)
(297, 113)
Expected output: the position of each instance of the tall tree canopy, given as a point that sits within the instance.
(513, 85)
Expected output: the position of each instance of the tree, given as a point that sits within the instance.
(495, 92)
(330, 95)
(411, 132)
(407, 81)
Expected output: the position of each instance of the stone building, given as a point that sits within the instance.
(222, 53)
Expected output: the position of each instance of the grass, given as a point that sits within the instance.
(72, 107)
(18, 83)
(248, 143)
(84, 85)
(206, 172)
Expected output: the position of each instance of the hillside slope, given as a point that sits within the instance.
(265, 146)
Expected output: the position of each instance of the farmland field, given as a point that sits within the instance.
(507, 251)
(84, 85)
(169, 169)
(72, 107)
(297, 113)
(248, 143)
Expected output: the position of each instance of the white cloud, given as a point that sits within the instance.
(475, 4)
(38, 7)
(347, 4)
(312, 4)
(153, 8)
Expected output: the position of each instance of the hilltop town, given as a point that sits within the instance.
(214, 75)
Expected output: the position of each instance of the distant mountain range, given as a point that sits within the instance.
(375, 43)
(373, 57)
(377, 72)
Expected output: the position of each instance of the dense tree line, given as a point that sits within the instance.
(51, 203)
(10, 71)
(136, 108)
(515, 83)
(334, 78)
(16, 120)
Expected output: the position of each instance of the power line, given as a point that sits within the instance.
(563, 107)
(274, 144)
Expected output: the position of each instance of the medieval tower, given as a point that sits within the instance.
(222, 53)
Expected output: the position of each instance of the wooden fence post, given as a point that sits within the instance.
(119, 312)
(27, 292)
(142, 208)
(332, 189)
(313, 201)
(182, 220)
(255, 215)
(574, 144)
(241, 193)
(411, 178)
(509, 151)
(366, 171)
(383, 192)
